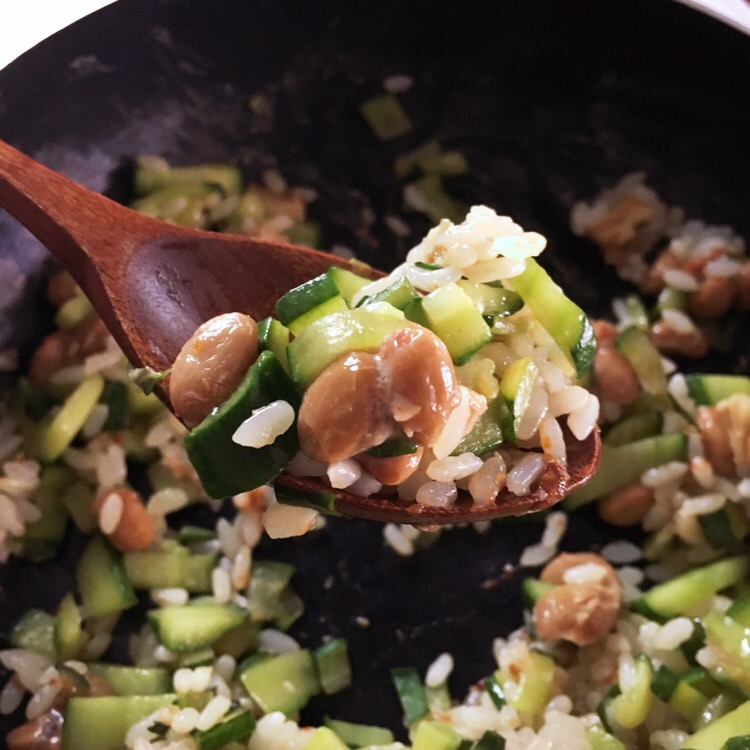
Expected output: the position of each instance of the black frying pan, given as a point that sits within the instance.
(549, 100)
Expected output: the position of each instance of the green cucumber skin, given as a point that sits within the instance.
(191, 627)
(103, 723)
(281, 683)
(170, 569)
(411, 693)
(533, 589)
(35, 631)
(359, 735)
(739, 610)
(235, 728)
(399, 294)
(228, 177)
(454, 317)
(134, 680)
(329, 338)
(733, 724)
(681, 594)
(708, 390)
(635, 345)
(624, 464)
(332, 666)
(487, 434)
(226, 468)
(102, 582)
(304, 298)
(560, 316)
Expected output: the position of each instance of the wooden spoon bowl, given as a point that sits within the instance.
(154, 283)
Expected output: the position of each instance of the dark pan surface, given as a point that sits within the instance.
(549, 101)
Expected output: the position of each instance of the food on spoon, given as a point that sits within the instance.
(467, 351)
(669, 670)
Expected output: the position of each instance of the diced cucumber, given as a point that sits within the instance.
(532, 589)
(268, 581)
(282, 683)
(239, 641)
(326, 340)
(434, 735)
(729, 640)
(398, 294)
(385, 116)
(487, 434)
(324, 738)
(115, 397)
(332, 666)
(227, 468)
(479, 375)
(603, 709)
(495, 690)
(516, 386)
(708, 390)
(236, 727)
(695, 643)
(434, 202)
(635, 312)
(35, 631)
(684, 593)
(323, 502)
(489, 741)
(737, 743)
(274, 336)
(671, 299)
(624, 464)
(102, 582)
(430, 158)
(664, 682)
(635, 345)
(69, 635)
(193, 626)
(492, 300)
(600, 739)
(452, 315)
(102, 723)
(329, 307)
(359, 735)
(724, 528)
(718, 706)
(636, 427)
(42, 537)
(414, 311)
(156, 569)
(305, 297)
(68, 421)
(347, 282)
(733, 724)
(398, 446)
(147, 179)
(73, 312)
(438, 698)
(739, 610)
(558, 315)
(134, 680)
(195, 535)
(411, 694)
(142, 404)
(687, 701)
(533, 690)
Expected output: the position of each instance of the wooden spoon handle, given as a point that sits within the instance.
(64, 216)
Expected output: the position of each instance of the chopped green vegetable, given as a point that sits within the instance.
(386, 117)
(411, 693)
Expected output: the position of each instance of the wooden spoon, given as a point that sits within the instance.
(154, 283)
